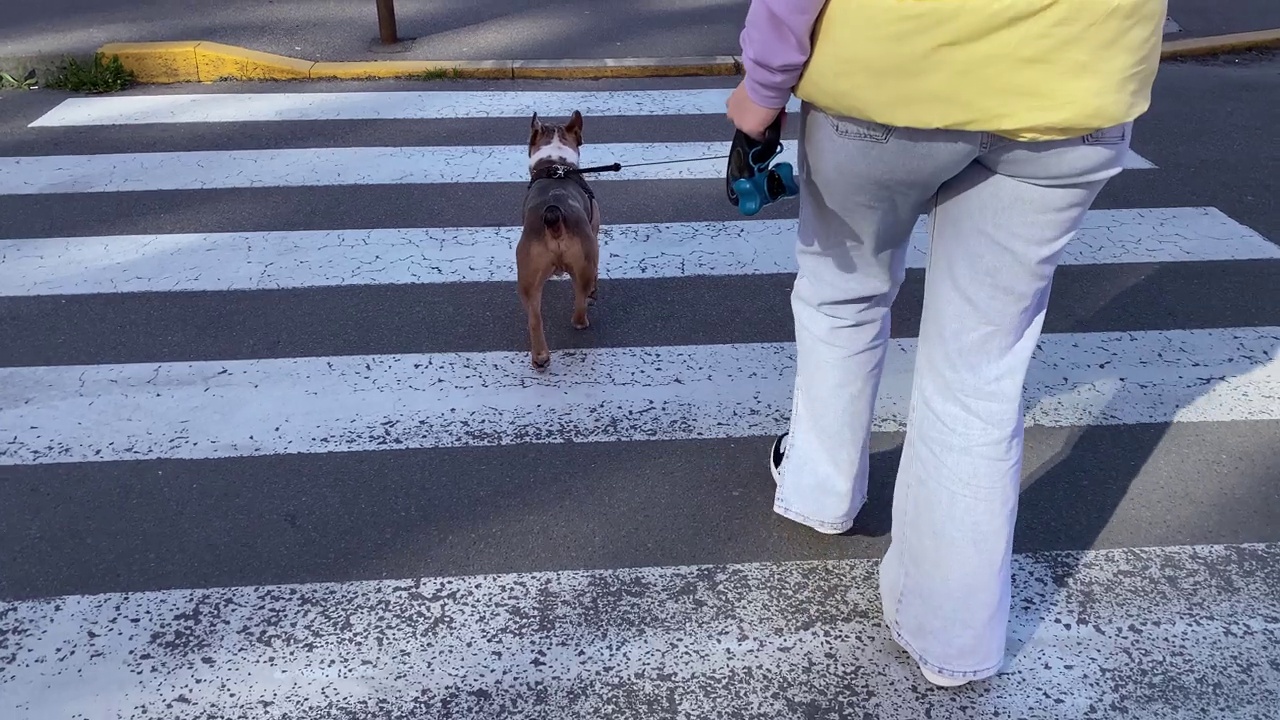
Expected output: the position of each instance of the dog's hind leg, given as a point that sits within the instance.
(531, 298)
(584, 289)
(594, 284)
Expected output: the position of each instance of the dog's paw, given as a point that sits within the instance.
(540, 361)
(581, 323)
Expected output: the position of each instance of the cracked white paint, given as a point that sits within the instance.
(273, 260)
(1173, 633)
(313, 167)
(351, 403)
(408, 105)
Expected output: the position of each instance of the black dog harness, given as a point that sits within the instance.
(569, 172)
(562, 172)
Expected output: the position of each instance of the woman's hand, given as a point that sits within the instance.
(747, 116)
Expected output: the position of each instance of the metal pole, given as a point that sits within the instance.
(387, 22)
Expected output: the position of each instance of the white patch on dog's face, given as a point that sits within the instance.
(557, 149)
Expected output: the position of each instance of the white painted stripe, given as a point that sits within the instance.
(428, 105)
(273, 260)
(309, 167)
(1148, 634)
(1134, 161)
(328, 404)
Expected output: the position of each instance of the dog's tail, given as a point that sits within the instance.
(553, 218)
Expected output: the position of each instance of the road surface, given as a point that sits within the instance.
(270, 446)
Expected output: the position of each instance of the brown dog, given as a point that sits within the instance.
(561, 228)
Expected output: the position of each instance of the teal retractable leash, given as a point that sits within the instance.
(750, 182)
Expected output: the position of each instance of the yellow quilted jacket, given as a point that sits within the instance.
(1025, 69)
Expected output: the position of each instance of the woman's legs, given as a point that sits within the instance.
(1002, 213)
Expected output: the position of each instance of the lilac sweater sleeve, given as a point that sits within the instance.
(775, 47)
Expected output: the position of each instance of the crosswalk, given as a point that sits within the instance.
(121, 621)
(326, 258)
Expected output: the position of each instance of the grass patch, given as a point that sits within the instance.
(440, 74)
(9, 82)
(101, 76)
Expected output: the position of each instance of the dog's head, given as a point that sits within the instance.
(556, 143)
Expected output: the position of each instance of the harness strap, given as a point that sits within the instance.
(566, 172)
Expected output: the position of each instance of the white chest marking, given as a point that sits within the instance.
(557, 151)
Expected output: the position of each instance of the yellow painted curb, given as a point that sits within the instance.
(228, 62)
(213, 62)
(202, 61)
(157, 62)
(1220, 44)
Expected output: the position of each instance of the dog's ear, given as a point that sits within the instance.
(574, 127)
(535, 129)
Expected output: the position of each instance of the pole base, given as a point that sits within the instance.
(403, 45)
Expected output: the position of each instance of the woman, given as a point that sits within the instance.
(1002, 120)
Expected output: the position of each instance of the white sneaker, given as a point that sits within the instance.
(929, 675)
(939, 680)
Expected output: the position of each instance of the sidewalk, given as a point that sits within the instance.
(451, 29)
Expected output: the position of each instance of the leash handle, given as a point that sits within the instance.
(616, 167)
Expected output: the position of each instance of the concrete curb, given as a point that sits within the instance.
(1217, 44)
(205, 62)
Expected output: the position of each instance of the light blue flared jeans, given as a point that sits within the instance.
(999, 214)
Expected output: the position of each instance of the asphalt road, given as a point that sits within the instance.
(456, 29)
(165, 509)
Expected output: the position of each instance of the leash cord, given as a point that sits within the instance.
(618, 166)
